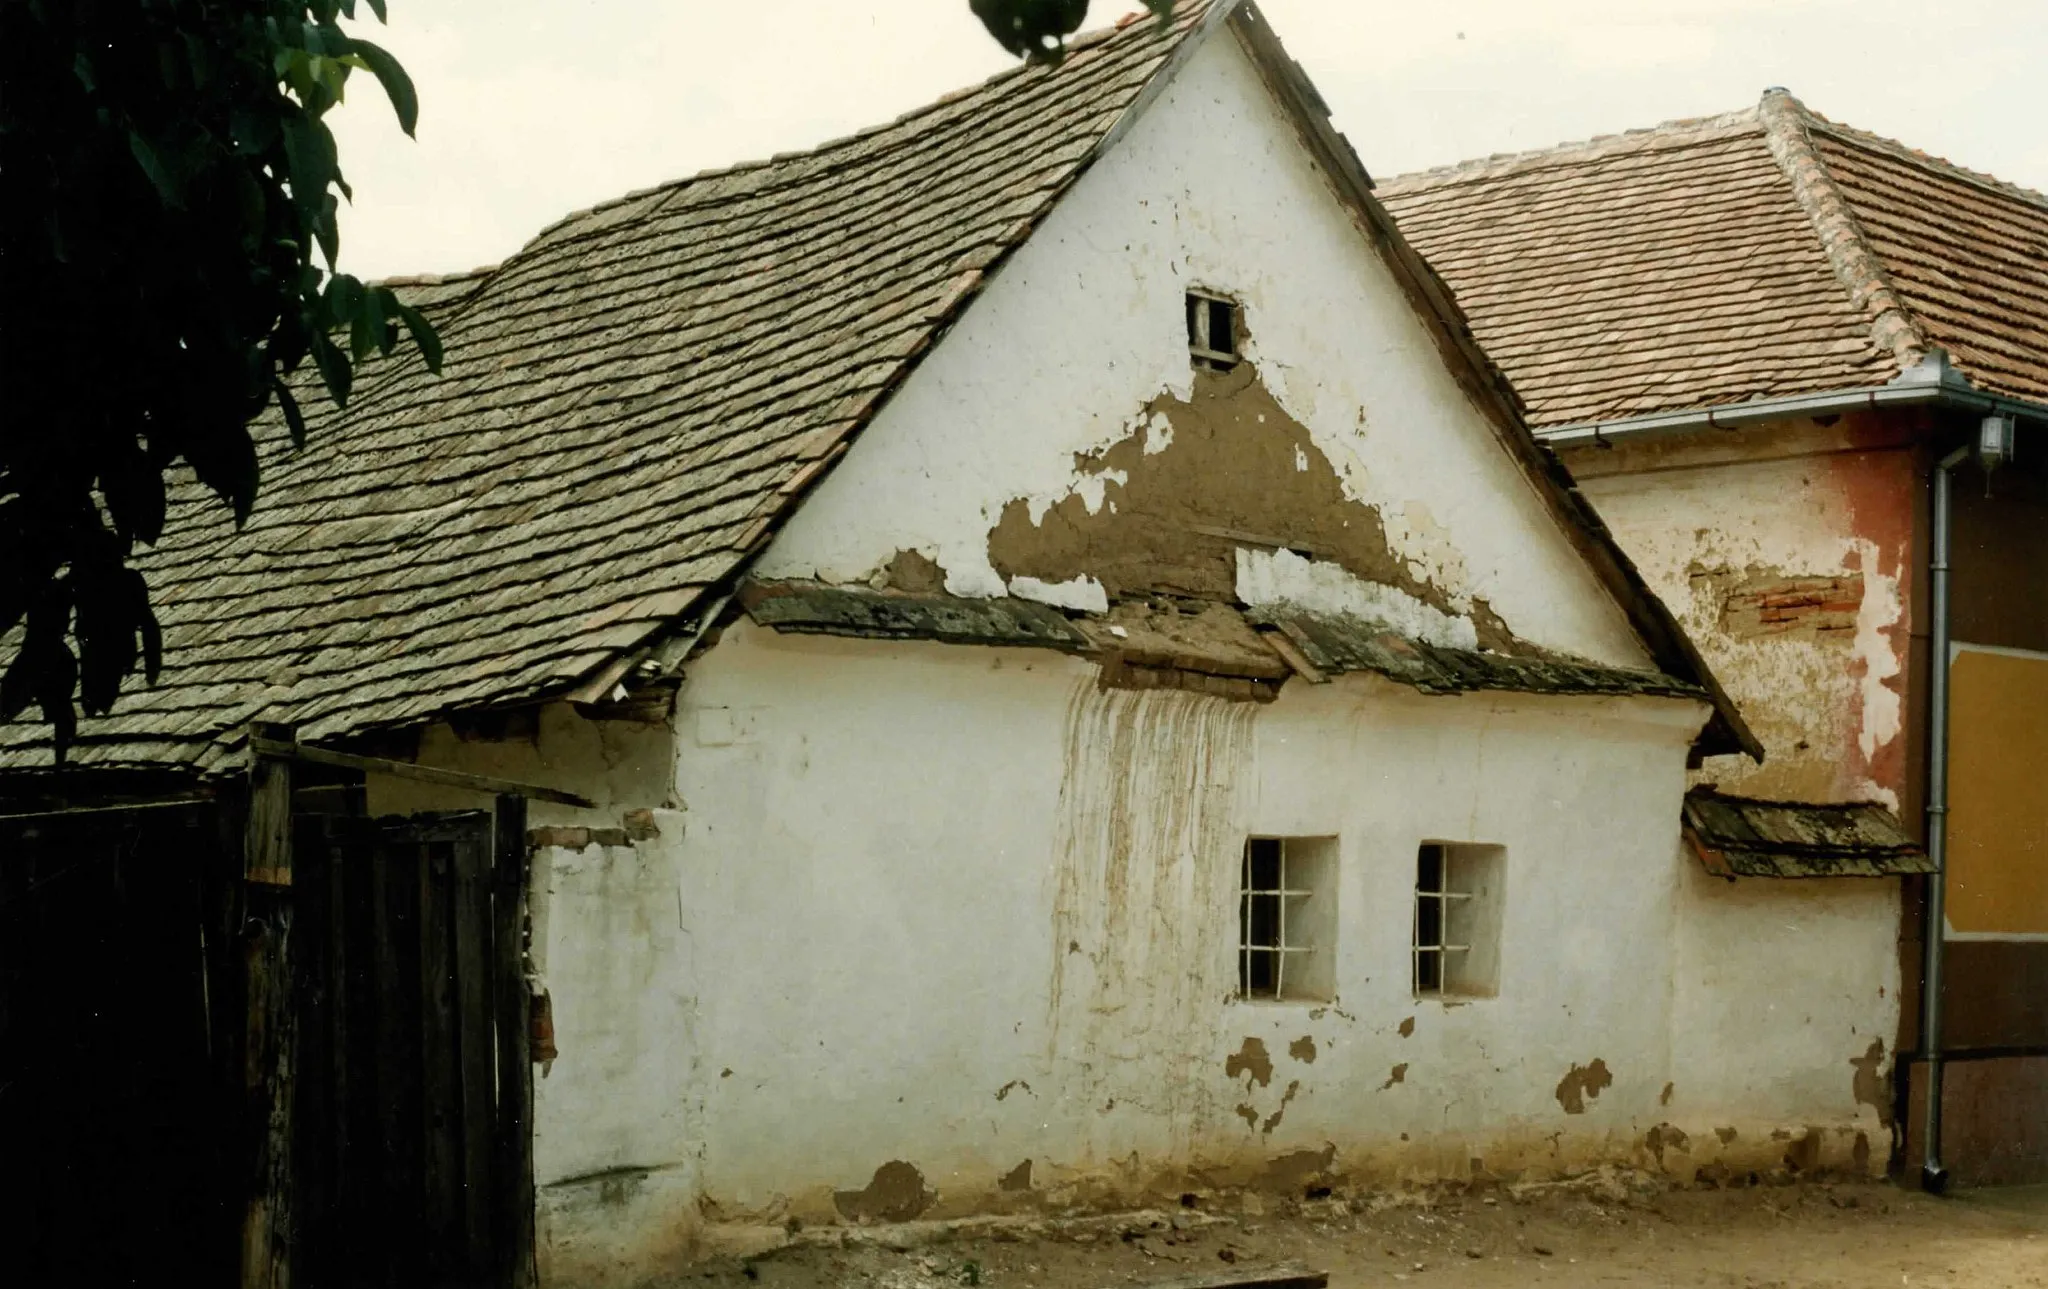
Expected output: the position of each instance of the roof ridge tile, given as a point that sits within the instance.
(1678, 133)
(1856, 266)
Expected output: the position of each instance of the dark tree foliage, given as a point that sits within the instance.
(168, 234)
(1037, 29)
(166, 183)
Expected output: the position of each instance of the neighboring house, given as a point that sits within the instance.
(1752, 337)
(1046, 671)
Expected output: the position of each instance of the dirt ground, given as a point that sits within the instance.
(1614, 1232)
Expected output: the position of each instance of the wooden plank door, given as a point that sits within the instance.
(405, 1129)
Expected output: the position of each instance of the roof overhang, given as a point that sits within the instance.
(1750, 837)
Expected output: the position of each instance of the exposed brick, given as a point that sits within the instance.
(610, 837)
(1775, 605)
(640, 825)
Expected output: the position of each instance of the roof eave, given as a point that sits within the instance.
(1919, 387)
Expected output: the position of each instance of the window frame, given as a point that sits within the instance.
(1311, 876)
(1202, 310)
(1456, 864)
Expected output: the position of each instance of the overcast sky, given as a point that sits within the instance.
(533, 108)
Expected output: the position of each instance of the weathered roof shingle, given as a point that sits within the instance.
(1747, 837)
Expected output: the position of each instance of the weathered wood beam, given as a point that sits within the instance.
(510, 861)
(270, 747)
(270, 1049)
(152, 803)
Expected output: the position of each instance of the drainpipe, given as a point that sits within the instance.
(1933, 1177)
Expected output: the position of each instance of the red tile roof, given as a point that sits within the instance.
(1764, 253)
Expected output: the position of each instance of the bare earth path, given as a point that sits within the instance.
(1792, 1237)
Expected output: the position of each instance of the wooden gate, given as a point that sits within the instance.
(412, 1149)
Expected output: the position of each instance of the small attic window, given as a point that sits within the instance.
(1214, 329)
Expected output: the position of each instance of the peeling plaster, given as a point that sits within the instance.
(1878, 663)
(896, 1193)
(1186, 513)
(1272, 1120)
(1081, 593)
(1250, 1060)
(1283, 578)
(1583, 1083)
(1871, 1084)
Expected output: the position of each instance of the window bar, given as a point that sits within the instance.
(1244, 903)
(1280, 936)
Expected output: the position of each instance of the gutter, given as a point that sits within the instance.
(1931, 383)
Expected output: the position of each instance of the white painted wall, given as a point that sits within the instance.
(848, 945)
(1781, 987)
(1085, 326)
(961, 908)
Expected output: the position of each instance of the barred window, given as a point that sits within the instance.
(1456, 947)
(1287, 918)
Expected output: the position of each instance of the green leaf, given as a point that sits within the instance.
(423, 333)
(133, 487)
(294, 419)
(252, 130)
(153, 166)
(309, 150)
(397, 85)
(344, 296)
(377, 7)
(334, 369)
(224, 459)
(145, 621)
(332, 74)
(367, 332)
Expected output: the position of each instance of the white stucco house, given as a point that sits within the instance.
(1086, 685)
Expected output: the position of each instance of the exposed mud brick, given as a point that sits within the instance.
(1762, 606)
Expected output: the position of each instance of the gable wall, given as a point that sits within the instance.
(1059, 431)
(1788, 552)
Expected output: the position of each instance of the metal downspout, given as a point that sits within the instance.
(1933, 1177)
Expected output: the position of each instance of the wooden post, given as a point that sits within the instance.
(514, 1008)
(268, 1055)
